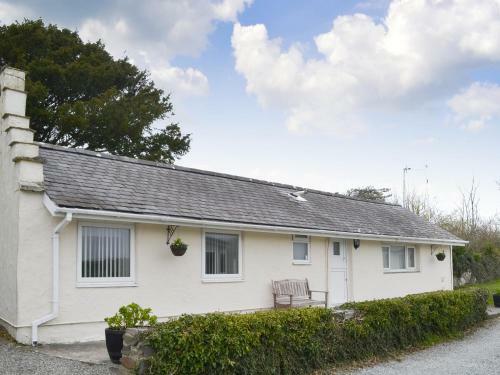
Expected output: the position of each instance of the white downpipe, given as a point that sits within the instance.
(55, 280)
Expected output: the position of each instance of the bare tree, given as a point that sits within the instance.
(420, 205)
(468, 210)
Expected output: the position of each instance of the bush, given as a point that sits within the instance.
(476, 266)
(296, 341)
(131, 316)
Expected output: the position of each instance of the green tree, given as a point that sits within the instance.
(79, 96)
(370, 193)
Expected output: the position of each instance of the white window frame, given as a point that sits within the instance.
(306, 240)
(407, 268)
(221, 277)
(97, 282)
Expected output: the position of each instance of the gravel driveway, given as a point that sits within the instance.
(478, 353)
(16, 359)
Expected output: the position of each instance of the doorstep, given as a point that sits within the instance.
(89, 352)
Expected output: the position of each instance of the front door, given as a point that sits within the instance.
(337, 264)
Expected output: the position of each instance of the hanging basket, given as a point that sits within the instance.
(440, 256)
(178, 249)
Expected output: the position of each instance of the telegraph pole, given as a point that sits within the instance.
(406, 169)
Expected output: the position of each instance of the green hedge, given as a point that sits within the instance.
(296, 341)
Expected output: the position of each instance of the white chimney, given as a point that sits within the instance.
(17, 144)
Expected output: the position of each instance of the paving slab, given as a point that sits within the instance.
(89, 352)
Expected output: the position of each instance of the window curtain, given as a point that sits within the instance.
(398, 258)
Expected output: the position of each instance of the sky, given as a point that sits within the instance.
(322, 94)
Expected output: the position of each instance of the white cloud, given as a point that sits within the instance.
(420, 48)
(157, 31)
(12, 12)
(476, 106)
(227, 10)
(183, 81)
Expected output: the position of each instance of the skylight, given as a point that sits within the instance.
(298, 195)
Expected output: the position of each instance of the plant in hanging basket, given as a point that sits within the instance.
(178, 247)
(440, 256)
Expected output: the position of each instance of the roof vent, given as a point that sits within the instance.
(298, 195)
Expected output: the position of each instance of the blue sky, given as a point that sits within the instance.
(322, 94)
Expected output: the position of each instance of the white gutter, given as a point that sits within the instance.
(55, 280)
(160, 219)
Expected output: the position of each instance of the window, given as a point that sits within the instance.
(411, 257)
(336, 248)
(301, 249)
(105, 255)
(221, 256)
(399, 258)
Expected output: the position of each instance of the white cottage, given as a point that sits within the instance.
(82, 233)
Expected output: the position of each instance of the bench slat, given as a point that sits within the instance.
(294, 292)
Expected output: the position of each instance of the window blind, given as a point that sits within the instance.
(221, 253)
(105, 252)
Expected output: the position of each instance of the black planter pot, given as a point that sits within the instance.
(440, 256)
(496, 299)
(178, 250)
(114, 343)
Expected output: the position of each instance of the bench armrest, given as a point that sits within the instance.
(319, 291)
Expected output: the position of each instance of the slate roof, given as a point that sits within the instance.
(82, 179)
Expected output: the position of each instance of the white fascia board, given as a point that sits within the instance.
(87, 214)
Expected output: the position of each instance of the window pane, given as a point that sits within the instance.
(398, 259)
(385, 255)
(336, 248)
(105, 252)
(300, 251)
(221, 254)
(411, 257)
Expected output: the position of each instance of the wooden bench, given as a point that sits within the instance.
(295, 293)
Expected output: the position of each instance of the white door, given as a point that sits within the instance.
(337, 264)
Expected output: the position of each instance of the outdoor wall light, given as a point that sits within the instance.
(356, 243)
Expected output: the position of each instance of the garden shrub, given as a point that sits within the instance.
(476, 266)
(297, 341)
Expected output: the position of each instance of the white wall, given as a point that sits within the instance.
(172, 285)
(9, 223)
(20, 170)
(169, 285)
(368, 280)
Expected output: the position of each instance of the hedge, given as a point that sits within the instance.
(297, 341)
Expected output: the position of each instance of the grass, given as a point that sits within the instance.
(492, 287)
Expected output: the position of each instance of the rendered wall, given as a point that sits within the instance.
(369, 281)
(9, 220)
(21, 187)
(20, 173)
(168, 284)
(173, 285)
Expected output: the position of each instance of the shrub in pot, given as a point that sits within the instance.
(129, 316)
(440, 256)
(496, 298)
(178, 247)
